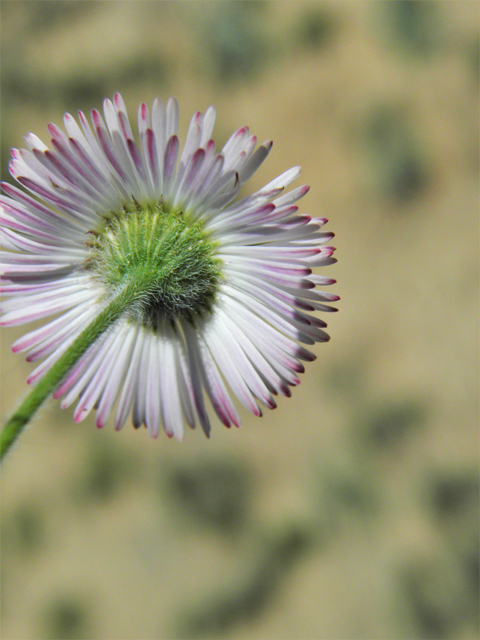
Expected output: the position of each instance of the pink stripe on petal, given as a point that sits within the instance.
(170, 161)
(152, 158)
(68, 381)
(190, 177)
(72, 209)
(33, 207)
(143, 117)
(137, 160)
(108, 150)
(202, 192)
(88, 162)
(124, 125)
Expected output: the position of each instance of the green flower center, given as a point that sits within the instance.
(170, 256)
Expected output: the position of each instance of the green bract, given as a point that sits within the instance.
(169, 255)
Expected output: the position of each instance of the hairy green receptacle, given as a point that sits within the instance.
(170, 256)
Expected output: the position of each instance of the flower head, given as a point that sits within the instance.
(221, 289)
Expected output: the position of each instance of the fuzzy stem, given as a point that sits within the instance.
(128, 295)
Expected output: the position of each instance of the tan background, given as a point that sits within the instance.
(350, 512)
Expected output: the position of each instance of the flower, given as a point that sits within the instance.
(223, 288)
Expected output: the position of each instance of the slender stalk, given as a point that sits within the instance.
(123, 300)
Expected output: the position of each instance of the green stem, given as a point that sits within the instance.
(124, 299)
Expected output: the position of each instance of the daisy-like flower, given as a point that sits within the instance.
(164, 287)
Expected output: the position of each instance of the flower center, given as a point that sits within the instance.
(170, 257)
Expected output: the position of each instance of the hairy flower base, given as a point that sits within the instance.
(170, 256)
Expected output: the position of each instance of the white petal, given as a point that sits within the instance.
(171, 403)
(141, 381)
(153, 384)
(218, 349)
(117, 376)
(130, 385)
(101, 376)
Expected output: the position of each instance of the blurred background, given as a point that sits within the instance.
(350, 512)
